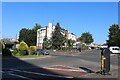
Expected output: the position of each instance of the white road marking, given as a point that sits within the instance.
(65, 69)
(35, 58)
(41, 74)
(20, 76)
(72, 68)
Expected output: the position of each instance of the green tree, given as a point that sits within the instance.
(86, 38)
(29, 35)
(114, 35)
(24, 35)
(23, 48)
(57, 38)
(46, 43)
(71, 42)
(36, 27)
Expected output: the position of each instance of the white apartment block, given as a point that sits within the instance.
(71, 36)
(47, 31)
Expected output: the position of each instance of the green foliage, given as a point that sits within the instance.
(15, 52)
(3, 45)
(114, 35)
(105, 44)
(32, 50)
(23, 48)
(5, 41)
(70, 42)
(6, 52)
(57, 38)
(29, 35)
(36, 27)
(84, 47)
(46, 43)
(86, 38)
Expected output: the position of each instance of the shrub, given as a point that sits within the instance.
(3, 45)
(23, 48)
(6, 52)
(32, 49)
(23, 52)
(84, 47)
(15, 52)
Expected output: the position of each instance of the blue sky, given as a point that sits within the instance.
(77, 17)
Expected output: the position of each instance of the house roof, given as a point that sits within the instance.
(78, 40)
(13, 40)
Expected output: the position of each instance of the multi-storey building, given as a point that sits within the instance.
(71, 36)
(47, 32)
(44, 32)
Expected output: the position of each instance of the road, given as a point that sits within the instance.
(82, 64)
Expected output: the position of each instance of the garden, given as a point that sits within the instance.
(23, 50)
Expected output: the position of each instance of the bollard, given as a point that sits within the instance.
(105, 61)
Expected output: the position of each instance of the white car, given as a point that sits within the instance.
(114, 49)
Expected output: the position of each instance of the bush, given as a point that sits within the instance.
(32, 50)
(23, 52)
(3, 46)
(15, 52)
(6, 52)
(84, 47)
(23, 48)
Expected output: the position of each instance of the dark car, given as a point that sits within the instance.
(102, 48)
(43, 51)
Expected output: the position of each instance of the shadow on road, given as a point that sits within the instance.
(87, 70)
(19, 67)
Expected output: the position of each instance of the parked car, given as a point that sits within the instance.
(103, 48)
(43, 51)
(114, 49)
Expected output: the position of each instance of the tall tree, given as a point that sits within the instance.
(23, 35)
(34, 34)
(57, 38)
(36, 27)
(86, 38)
(46, 43)
(70, 42)
(114, 35)
(29, 35)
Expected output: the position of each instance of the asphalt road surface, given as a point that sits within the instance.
(60, 66)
